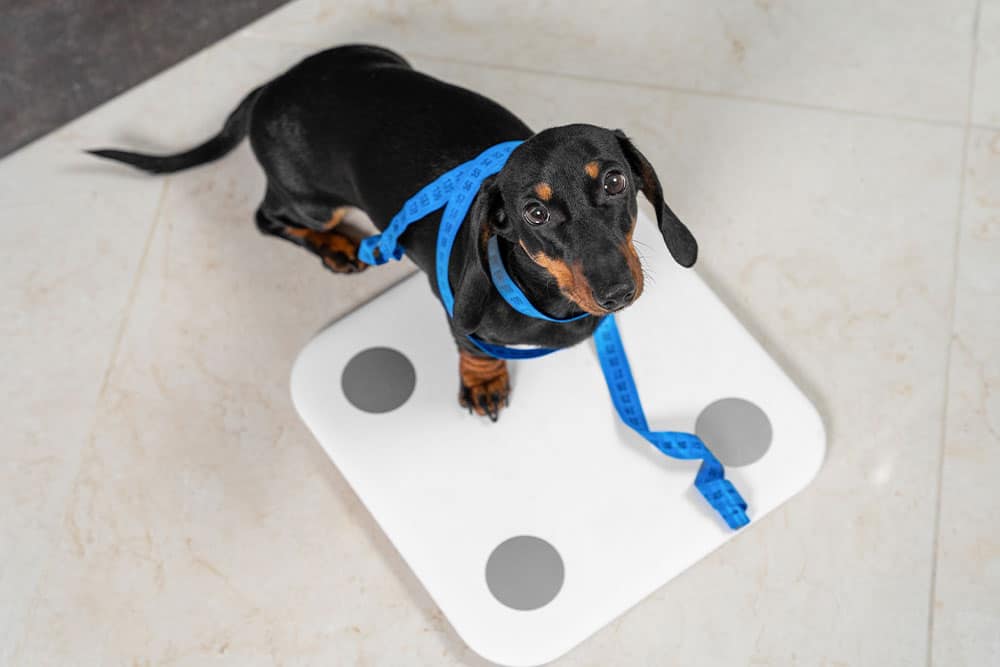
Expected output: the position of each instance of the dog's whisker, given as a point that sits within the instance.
(648, 275)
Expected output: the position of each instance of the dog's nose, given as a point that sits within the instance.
(616, 297)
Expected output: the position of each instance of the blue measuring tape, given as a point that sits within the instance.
(454, 191)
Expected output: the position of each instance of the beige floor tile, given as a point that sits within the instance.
(967, 588)
(889, 56)
(73, 234)
(986, 97)
(71, 240)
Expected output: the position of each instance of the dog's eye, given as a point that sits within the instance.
(614, 183)
(536, 214)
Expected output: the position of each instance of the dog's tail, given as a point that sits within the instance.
(232, 133)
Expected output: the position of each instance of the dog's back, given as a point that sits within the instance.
(352, 126)
(360, 122)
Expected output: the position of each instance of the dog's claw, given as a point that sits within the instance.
(489, 408)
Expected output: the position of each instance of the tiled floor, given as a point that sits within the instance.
(160, 502)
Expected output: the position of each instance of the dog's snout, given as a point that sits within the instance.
(615, 297)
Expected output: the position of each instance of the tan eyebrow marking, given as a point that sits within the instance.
(592, 169)
(544, 191)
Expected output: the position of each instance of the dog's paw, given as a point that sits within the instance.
(343, 263)
(485, 385)
(486, 399)
(339, 252)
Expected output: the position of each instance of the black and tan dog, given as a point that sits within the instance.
(356, 127)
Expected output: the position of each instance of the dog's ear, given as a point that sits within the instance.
(473, 288)
(679, 240)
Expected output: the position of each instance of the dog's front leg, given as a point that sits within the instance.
(485, 384)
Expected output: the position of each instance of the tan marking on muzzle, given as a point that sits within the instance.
(572, 283)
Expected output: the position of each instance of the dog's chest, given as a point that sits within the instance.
(503, 326)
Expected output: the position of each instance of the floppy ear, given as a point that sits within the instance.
(474, 286)
(679, 240)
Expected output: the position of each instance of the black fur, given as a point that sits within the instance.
(357, 126)
(233, 132)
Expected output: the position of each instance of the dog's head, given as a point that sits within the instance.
(567, 197)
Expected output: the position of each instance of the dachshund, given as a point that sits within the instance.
(356, 128)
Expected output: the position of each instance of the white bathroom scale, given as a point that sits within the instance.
(532, 533)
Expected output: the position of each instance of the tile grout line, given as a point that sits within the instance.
(130, 300)
(658, 87)
(126, 317)
(765, 101)
(945, 399)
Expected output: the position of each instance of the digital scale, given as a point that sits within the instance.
(532, 533)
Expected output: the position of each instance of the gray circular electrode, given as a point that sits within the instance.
(735, 430)
(378, 379)
(525, 573)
